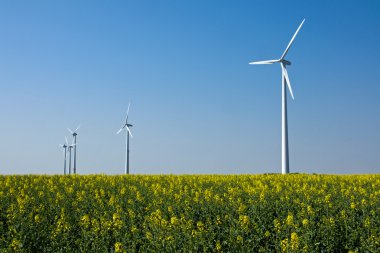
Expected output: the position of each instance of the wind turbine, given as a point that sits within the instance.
(64, 146)
(74, 133)
(70, 148)
(128, 133)
(285, 81)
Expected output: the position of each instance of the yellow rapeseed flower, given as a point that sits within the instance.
(239, 239)
(218, 247)
(243, 219)
(85, 219)
(148, 235)
(16, 245)
(367, 222)
(200, 226)
(290, 219)
(37, 218)
(310, 210)
(134, 229)
(294, 241)
(118, 247)
(284, 245)
(173, 220)
(277, 225)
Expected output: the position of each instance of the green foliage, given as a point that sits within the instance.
(247, 213)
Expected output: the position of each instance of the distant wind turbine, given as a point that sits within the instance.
(285, 81)
(70, 148)
(74, 133)
(64, 146)
(128, 133)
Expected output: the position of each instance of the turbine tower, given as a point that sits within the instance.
(128, 133)
(64, 146)
(70, 148)
(74, 133)
(285, 82)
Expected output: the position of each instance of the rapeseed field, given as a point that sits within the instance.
(190, 213)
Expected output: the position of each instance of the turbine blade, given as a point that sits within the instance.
(66, 141)
(285, 74)
(264, 62)
(119, 130)
(129, 132)
(291, 41)
(129, 104)
(77, 128)
(70, 130)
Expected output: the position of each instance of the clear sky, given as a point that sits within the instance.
(196, 104)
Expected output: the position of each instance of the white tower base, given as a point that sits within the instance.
(284, 151)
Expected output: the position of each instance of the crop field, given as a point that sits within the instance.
(200, 213)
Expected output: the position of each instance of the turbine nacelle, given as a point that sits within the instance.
(74, 133)
(126, 125)
(283, 61)
(65, 145)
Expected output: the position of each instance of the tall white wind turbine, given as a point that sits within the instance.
(285, 82)
(64, 146)
(74, 133)
(128, 133)
(70, 148)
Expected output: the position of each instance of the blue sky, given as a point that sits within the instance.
(197, 106)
